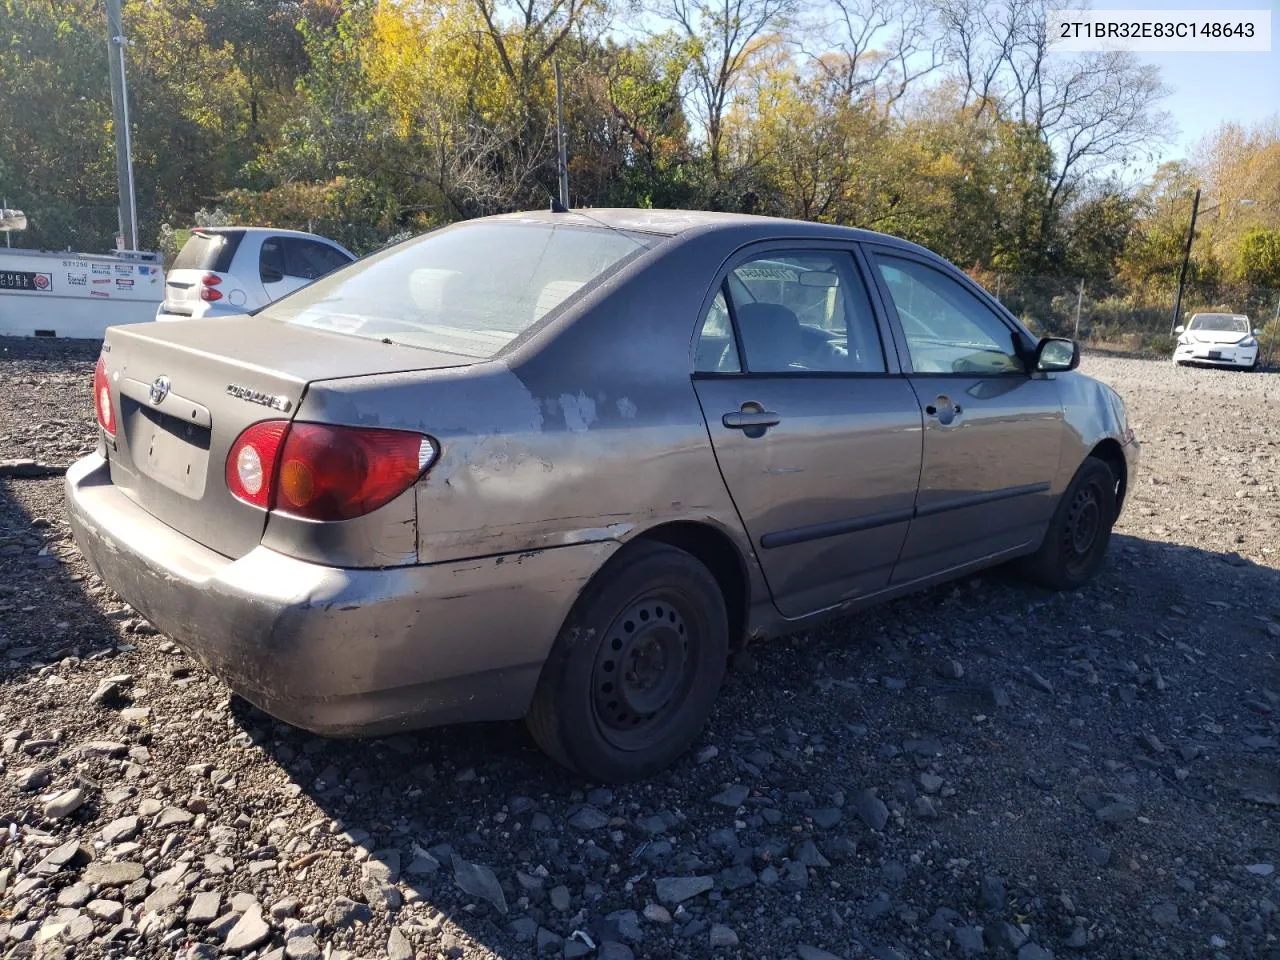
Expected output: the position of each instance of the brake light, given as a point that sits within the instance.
(207, 284)
(102, 398)
(251, 463)
(322, 472)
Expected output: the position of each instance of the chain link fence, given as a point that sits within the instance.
(1099, 314)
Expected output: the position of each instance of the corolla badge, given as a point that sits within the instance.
(283, 404)
(159, 390)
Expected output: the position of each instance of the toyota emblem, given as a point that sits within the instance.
(159, 390)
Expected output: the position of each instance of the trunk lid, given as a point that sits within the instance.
(183, 392)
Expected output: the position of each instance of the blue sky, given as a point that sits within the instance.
(1213, 88)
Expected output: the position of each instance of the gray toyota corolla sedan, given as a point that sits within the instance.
(554, 465)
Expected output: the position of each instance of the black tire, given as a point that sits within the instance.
(654, 618)
(1075, 546)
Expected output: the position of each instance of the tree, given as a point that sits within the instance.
(724, 36)
(1260, 257)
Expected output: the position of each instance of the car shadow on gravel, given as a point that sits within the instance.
(986, 722)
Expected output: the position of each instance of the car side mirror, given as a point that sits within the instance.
(1257, 332)
(1179, 329)
(1056, 355)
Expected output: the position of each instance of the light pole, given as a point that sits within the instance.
(1186, 254)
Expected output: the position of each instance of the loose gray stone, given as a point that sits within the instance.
(871, 809)
(992, 892)
(524, 929)
(656, 913)
(1165, 914)
(107, 911)
(65, 804)
(722, 936)
(969, 940)
(383, 865)
(612, 950)
(76, 895)
(344, 912)
(164, 898)
(588, 818)
(672, 890)
(1033, 951)
(205, 907)
(731, 796)
(174, 817)
(807, 853)
(826, 817)
(250, 931)
(302, 948)
(112, 874)
(398, 946)
(118, 831)
(560, 899)
(477, 880)
(930, 783)
(1261, 869)
(33, 778)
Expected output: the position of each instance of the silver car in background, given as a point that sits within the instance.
(229, 271)
(554, 465)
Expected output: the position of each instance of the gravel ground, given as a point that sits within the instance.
(985, 769)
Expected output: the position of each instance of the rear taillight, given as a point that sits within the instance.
(102, 398)
(251, 463)
(208, 285)
(322, 472)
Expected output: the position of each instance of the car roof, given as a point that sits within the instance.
(265, 230)
(675, 223)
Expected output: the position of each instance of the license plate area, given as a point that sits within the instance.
(1215, 354)
(171, 451)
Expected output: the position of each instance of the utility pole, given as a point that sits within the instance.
(1079, 300)
(128, 213)
(1186, 259)
(563, 163)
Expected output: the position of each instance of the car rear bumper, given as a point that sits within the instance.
(338, 651)
(1227, 355)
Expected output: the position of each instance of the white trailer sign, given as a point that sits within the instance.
(76, 295)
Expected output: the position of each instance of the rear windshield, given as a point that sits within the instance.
(468, 290)
(208, 251)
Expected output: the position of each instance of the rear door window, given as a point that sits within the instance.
(804, 312)
(309, 260)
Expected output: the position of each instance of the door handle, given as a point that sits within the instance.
(943, 409)
(750, 419)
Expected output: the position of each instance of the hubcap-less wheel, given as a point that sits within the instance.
(642, 672)
(1084, 523)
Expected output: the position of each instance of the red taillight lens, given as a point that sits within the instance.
(211, 279)
(102, 398)
(322, 472)
(336, 473)
(210, 294)
(251, 464)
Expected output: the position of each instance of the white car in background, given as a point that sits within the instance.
(222, 271)
(1221, 339)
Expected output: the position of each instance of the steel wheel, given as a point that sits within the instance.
(641, 670)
